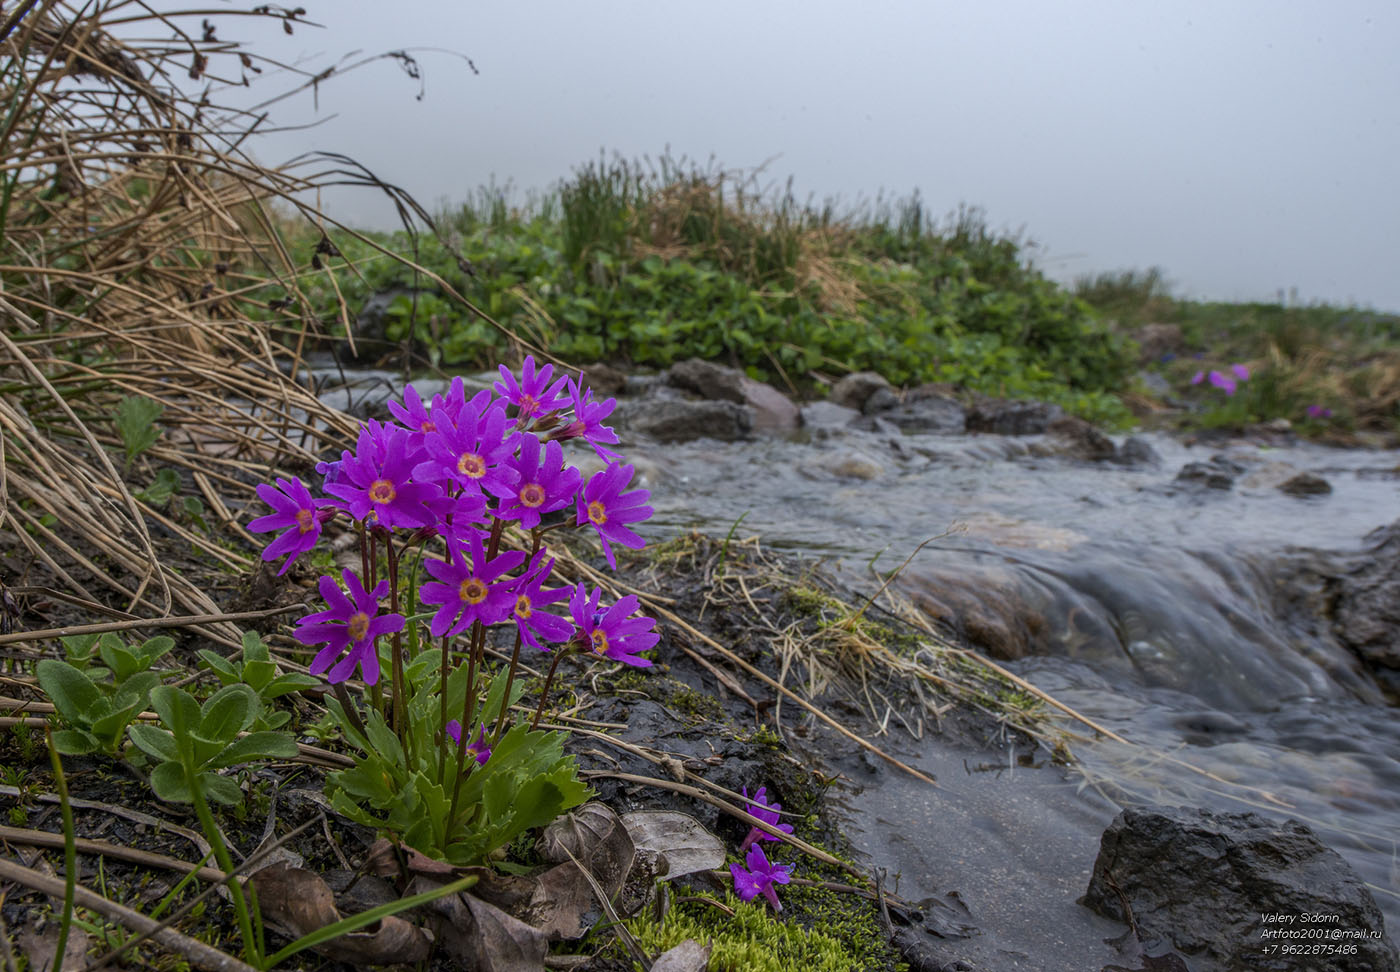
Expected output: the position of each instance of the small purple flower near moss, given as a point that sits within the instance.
(470, 588)
(1314, 411)
(479, 749)
(378, 480)
(1198, 377)
(604, 505)
(530, 596)
(542, 485)
(765, 811)
(612, 633)
(1241, 371)
(1224, 383)
(296, 513)
(352, 622)
(760, 877)
(532, 395)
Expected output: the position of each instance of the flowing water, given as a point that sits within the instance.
(1152, 609)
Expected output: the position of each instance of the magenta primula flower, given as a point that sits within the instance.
(350, 622)
(479, 749)
(604, 504)
(296, 513)
(377, 480)
(1222, 382)
(588, 421)
(1198, 377)
(532, 395)
(413, 414)
(470, 588)
(530, 596)
(765, 811)
(612, 633)
(1241, 371)
(469, 450)
(542, 485)
(1314, 411)
(760, 877)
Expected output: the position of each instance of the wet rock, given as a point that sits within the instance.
(1137, 452)
(1011, 417)
(1367, 615)
(1207, 882)
(880, 400)
(681, 421)
(827, 415)
(1218, 473)
(605, 380)
(846, 464)
(1073, 437)
(1306, 484)
(772, 410)
(638, 385)
(853, 390)
(926, 411)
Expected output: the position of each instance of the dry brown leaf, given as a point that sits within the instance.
(39, 947)
(681, 843)
(688, 956)
(480, 936)
(297, 902)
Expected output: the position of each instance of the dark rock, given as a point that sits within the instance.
(852, 390)
(1306, 484)
(680, 421)
(1076, 438)
(928, 413)
(1367, 614)
(772, 410)
(605, 380)
(1210, 474)
(1011, 417)
(642, 384)
(1205, 882)
(371, 323)
(1137, 452)
(827, 415)
(880, 400)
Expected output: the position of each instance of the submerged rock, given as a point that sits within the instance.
(827, 415)
(1219, 473)
(1367, 598)
(1137, 452)
(1215, 886)
(1306, 484)
(928, 410)
(1012, 417)
(1072, 436)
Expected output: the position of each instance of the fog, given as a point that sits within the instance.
(1246, 148)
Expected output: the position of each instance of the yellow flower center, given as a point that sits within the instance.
(472, 591)
(358, 626)
(599, 641)
(381, 491)
(522, 608)
(305, 520)
(531, 495)
(596, 513)
(471, 465)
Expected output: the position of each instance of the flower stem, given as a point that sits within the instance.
(468, 708)
(510, 681)
(548, 680)
(442, 707)
(400, 695)
(251, 949)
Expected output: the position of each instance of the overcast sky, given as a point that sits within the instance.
(1244, 147)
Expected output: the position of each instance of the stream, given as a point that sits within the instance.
(1151, 607)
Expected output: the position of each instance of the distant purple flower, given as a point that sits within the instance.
(478, 748)
(1198, 377)
(469, 450)
(471, 589)
(542, 486)
(588, 421)
(533, 395)
(612, 633)
(296, 513)
(1241, 371)
(604, 504)
(1314, 411)
(760, 877)
(530, 596)
(765, 811)
(377, 480)
(1220, 381)
(359, 625)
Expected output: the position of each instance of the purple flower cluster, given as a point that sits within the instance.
(465, 469)
(1319, 412)
(759, 875)
(1226, 383)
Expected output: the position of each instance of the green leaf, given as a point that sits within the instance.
(169, 783)
(255, 745)
(135, 420)
(136, 689)
(122, 662)
(154, 648)
(290, 682)
(70, 691)
(75, 742)
(79, 647)
(221, 789)
(111, 727)
(253, 647)
(161, 488)
(220, 666)
(227, 713)
(155, 742)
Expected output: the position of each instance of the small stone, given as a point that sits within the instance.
(880, 400)
(852, 390)
(1137, 452)
(1306, 484)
